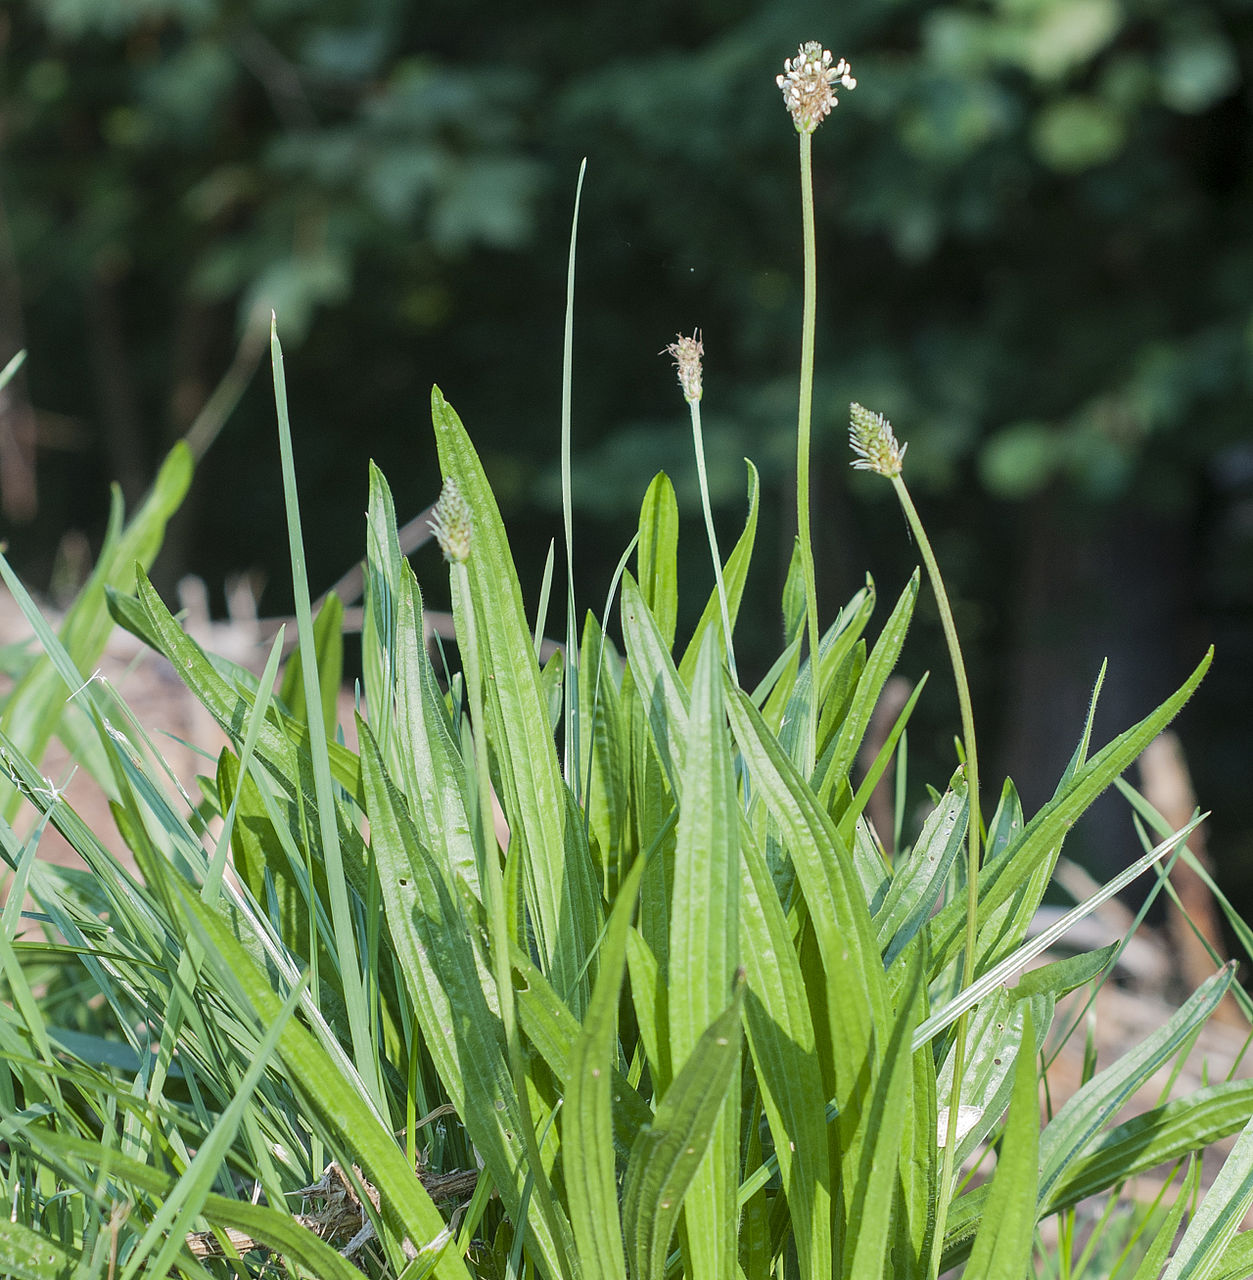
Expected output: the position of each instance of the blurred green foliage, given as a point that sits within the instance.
(1034, 256)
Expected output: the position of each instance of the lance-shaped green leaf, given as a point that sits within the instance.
(427, 757)
(1074, 1125)
(553, 1032)
(880, 665)
(1163, 1134)
(658, 557)
(1154, 1259)
(663, 694)
(1228, 1200)
(704, 949)
(667, 1154)
(994, 1043)
(916, 886)
(229, 702)
(1042, 837)
(587, 1116)
(782, 1042)
(868, 1236)
(430, 935)
(561, 890)
(1002, 1248)
(1236, 1262)
(856, 989)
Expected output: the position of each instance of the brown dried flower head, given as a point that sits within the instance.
(871, 437)
(686, 354)
(808, 83)
(452, 524)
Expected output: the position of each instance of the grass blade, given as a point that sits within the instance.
(365, 1056)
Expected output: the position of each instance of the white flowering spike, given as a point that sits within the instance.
(871, 438)
(452, 524)
(686, 354)
(808, 83)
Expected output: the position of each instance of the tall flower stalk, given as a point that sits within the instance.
(808, 84)
(876, 448)
(687, 354)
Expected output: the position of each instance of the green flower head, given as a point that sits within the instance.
(871, 438)
(452, 524)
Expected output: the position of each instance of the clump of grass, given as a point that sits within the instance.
(684, 1018)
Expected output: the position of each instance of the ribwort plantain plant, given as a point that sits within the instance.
(447, 1002)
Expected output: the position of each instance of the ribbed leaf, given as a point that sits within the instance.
(657, 558)
(553, 1032)
(230, 702)
(781, 1040)
(560, 887)
(1151, 1264)
(587, 1116)
(667, 1154)
(1156, 1137)
(994, 1043)
(1215, 1223)
(605, 765)
(1042, 838)
(430, 936)
(868, 1237)
(662, 692)
(704, 950)
(921, 877)
(1073, 1126)
(880, 665)
(1237, 1261)
(1002, 1248)
(855, 986)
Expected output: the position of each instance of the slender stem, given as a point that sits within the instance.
(804, 413)
(973, 831)
(699, 443)
(493, 891)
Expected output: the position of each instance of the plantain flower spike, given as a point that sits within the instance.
(452, 524)
(808, 83)
(686, 354)
(872, 440)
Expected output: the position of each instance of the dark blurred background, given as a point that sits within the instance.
(1035, 256)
